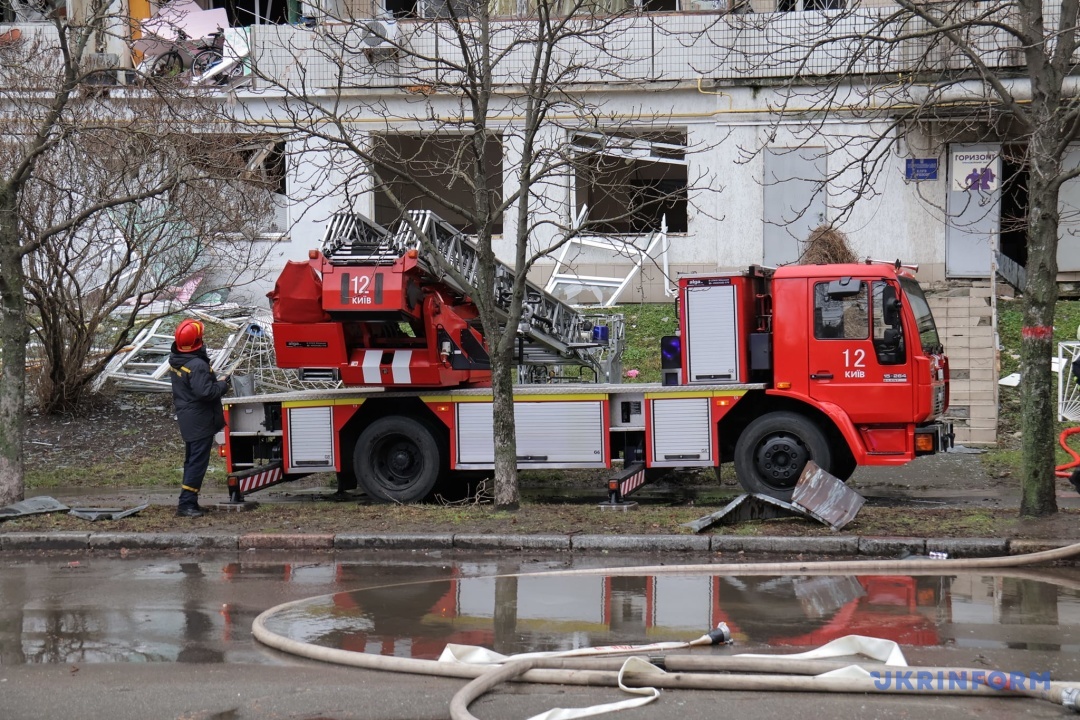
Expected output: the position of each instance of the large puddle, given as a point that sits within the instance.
(164, 609)
(550, 612)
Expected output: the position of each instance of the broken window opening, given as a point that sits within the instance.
(267, 169)
(443, 166)
(630, 183)
(1014, 203)
(245, 13)
(805, 5)
(659, 5)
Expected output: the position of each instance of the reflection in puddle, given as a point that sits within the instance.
(170, 610)
(538, 612)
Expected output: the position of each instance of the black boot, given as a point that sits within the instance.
(189, 512)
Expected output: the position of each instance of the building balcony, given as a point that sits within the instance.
(643, 48)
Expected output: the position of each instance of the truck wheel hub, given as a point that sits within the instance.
(400, 461)
(781, 458)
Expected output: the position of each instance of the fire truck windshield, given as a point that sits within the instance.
(924, 319)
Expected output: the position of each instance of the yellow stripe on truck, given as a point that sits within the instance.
(322, 403)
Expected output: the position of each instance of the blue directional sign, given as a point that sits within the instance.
(917, 169)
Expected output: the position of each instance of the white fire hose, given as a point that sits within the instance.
(806, 672)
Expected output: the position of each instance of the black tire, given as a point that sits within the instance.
(168, 65)
(844, 465)
(204, 61)
(397, 459)
(773, 450)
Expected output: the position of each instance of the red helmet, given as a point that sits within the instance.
(189, 336)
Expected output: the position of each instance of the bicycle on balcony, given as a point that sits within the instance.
(200, 57)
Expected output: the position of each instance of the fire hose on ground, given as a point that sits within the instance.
(743, 672)
(1071, 469)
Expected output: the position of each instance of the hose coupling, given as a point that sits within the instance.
(1070, 698)
(720, 635)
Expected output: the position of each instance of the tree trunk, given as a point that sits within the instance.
(14, 336)
(507, 495)
(1037, 412)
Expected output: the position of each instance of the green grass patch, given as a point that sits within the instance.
(164, 467)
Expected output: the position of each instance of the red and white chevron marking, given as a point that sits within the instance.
(632, 483)
(260, 480)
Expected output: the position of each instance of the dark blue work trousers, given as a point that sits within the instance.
(196, 460)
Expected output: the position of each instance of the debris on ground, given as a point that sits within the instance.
(818, 495)
(32, 506)
(93, 514)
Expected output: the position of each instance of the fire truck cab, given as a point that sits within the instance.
(848, 356)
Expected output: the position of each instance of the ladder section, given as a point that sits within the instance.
(553, 332)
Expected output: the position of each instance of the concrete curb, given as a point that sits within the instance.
(886, 547)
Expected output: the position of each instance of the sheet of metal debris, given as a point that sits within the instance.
(93, 514)
(746, 507)
(826, 498)
(818, 495)
(32, 506)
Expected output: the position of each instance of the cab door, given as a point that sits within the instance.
(857, 356)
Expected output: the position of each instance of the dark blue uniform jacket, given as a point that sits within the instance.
(197, 394)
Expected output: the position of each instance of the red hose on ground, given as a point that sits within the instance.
(1064, 471)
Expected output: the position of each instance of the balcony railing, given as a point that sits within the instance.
(634, 49)
(647, 47)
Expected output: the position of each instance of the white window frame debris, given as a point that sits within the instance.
(1068, 389)
(565, 281)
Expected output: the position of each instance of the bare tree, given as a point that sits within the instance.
(485, 115)
(91, 286)
(82, 169)
(919, 75)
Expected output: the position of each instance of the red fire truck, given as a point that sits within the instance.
(841, 364)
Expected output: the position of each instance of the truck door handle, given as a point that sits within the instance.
(821, 376)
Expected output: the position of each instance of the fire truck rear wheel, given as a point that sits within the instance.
(397, 459)
(773, 450)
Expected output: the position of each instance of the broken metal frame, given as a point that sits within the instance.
(144, 364)
(1068, 388)
(817, 495)
(564, 276)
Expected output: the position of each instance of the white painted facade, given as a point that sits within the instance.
(693, 77)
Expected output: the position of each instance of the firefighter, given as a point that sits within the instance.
(197, 394)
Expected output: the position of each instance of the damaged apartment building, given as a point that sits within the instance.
(688, 165)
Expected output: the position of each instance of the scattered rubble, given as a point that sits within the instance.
(45, 504)
(247, 353)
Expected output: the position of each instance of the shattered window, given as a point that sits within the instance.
(631, 183)
(434, 172)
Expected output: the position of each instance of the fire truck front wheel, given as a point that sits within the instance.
(397, 459)
(773, 450)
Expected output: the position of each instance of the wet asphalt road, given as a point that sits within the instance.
(150, 636)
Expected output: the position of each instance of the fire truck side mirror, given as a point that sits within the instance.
(890, 306)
